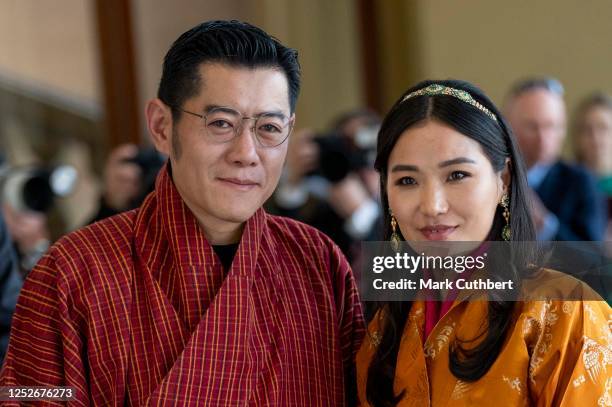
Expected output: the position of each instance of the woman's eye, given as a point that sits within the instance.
(406, 181)
(458, 176)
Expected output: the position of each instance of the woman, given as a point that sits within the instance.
(450, 170)
(593, 143)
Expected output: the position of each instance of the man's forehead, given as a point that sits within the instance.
(216, 75)
(249, 90)
(539, 97)
(538, 102)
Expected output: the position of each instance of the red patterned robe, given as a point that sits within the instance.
(138, 310)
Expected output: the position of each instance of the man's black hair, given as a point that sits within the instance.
(233, 43)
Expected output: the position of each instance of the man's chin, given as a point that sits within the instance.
(237, 216)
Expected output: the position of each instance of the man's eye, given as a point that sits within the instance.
(270, 128)
(458, 176)
(406, 181)
(221, 124)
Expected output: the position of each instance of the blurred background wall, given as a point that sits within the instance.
(75, 74)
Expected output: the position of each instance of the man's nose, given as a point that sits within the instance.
(243, 149)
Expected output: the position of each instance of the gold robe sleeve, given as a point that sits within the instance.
(571, 358)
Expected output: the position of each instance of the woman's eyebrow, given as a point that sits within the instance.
(409, 167)
(404, 167)
(459, 160)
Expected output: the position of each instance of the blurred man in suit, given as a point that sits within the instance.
(566, 203)
(10, 284)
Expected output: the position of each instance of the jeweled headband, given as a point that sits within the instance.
(435, 89)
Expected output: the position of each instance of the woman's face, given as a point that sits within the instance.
(594, 139)
(441, 186)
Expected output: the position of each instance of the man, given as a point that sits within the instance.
(566, 204)
(10, 284)
(199, 297)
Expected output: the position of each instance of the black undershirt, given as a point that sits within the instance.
(226, 253)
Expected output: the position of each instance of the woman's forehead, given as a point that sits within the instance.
(432, 142)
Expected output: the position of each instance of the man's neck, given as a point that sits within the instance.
(221, 234)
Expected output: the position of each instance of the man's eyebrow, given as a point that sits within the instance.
(275, 113)
(226, 109)
(409, 167)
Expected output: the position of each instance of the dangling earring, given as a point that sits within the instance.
(505, 203)
(396, 241)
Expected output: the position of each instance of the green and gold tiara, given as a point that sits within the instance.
(435, 89)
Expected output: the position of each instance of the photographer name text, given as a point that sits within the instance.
(447, 284)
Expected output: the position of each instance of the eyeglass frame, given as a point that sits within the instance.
(238, 130)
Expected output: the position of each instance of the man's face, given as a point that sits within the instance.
(594, 139)
(225, 183)
(538, 120)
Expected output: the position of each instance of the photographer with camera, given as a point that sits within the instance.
(10, 284)
(30, 234)
(329, 180)
(129, 175)
(27, 194)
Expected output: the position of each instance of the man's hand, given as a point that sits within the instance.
(348, 195)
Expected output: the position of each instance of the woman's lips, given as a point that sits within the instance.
(437, 232)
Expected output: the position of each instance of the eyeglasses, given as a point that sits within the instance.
(222, 124)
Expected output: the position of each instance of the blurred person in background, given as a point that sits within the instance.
(592, 138)
(566, 203)
(129, 175)
(10, 284)
(30, 235)
(27, 195)
(330, 182)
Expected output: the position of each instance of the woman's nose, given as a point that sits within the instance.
(433, 200)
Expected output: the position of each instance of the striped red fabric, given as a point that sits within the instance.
(136, 310)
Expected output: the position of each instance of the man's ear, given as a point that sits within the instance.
(159, 122)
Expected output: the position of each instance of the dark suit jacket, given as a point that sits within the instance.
(10, 284)
(570, 192)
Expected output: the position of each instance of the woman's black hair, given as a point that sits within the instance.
(498, 144)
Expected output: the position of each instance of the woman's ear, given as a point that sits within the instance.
(506, 176)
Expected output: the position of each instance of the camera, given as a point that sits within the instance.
(339, 155)
(35, 188)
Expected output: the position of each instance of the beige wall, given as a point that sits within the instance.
(157, 23)
(51, 45)
(49, 48)
(323, 32)
(494, 43)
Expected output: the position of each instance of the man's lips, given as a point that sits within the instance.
(437, 232)
(239, 183)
